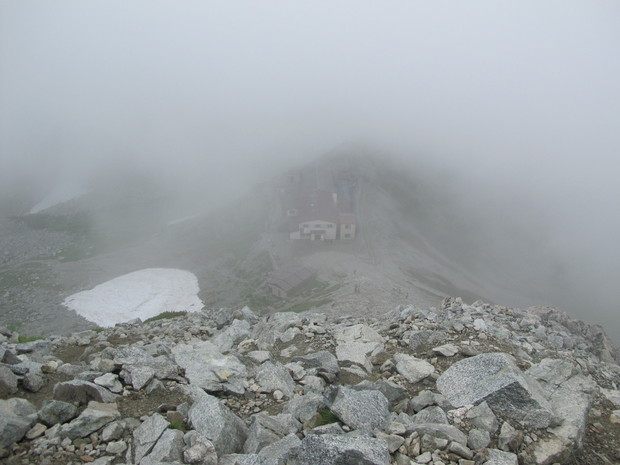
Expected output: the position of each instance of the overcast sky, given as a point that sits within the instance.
(523, 96)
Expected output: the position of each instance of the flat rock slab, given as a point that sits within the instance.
(93, 418)
(215, 421)
(82, 392)
(412, 368)
(496, 379)
(206, 367)
(340, 450)
(363, 410)
(272, 376)
(147, 434)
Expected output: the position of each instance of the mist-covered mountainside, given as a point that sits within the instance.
(420, 237)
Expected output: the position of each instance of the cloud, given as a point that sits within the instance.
(520, 98)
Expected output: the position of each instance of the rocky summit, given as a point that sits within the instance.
(459, 385)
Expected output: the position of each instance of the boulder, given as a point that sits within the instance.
(8, 382)
(481, 416)
(232, 335)
(413, 369)
(94, 417)
(432, 414)
(393, 392)
(322, 360)
(206, 367)
(247, 459)
(447, 432)
(57, 411)
(33, 381)
(496, 379)
(146, 436)
(340, 450)
(168, 448)
(109, 381)
(82, 392)
(570, 394)
(17, 416)
(498, 457)
(200, 450)
(363, 410)
(303, 408)
(273, 376)
(215, 421)
(281, 449)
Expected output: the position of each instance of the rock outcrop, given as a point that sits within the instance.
(461, 385)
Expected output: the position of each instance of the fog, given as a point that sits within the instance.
(520, 100)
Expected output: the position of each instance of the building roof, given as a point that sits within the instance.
(291, 277)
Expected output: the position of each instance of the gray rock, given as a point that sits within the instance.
(570, 394)
(214, 420)
(82, 392)
(460, 450)
(137, 375)
(16, 418)
(424, 399)
(247, 459)
(147, 434)
(340, 450)
(478, 439)
(272, 376)
(206, 367)
(109, 381)
(258, 437)
(113, 431)
(412, 368)
(357, 353)
(483, 417)
(498, 457)
(18, 407)
(496, 379)
(447, 432)
(33, 381)
(155, 387)
(447, 350)
(303, 408)
(200, 451)
(116, 447)
(357, 333)
(12, 429)
(231, 336)
(57, 411)
(433, 414)
(612, 395)
(169, 448)
(8, 382)
(509, 438)
(93, 418)
(140, 367)
(418, 339)
(393, 392)
(259, 356)
(281, 450)
(322, 360)
(363, 410)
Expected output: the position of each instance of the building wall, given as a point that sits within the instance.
(328, 230)
(347, 231)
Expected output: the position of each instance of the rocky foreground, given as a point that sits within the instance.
(465, 384)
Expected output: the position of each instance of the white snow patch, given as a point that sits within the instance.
(141, 294)
(60, 194)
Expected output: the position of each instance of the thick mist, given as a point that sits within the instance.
(517, 105)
